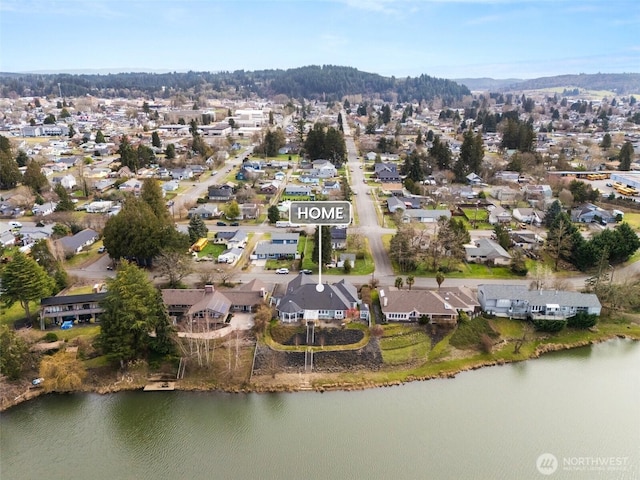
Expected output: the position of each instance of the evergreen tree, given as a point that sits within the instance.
(24, 281)
(155, 139)
(552, 213)
(42, 253)
(133, 309)
(327, 250)
(606, 141)
(151, 194)
(625, 156)
(170, 151)
(64, 199)
(273, 214)
(197, 228)
(34, 178)
(72, 131)
(13, 352)
(128, 156)
(22, 159)
(9, 172)
(100, 137)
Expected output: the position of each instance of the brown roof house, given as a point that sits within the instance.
(439, 306)
(213, 304)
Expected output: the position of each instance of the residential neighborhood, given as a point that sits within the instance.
(457, 233)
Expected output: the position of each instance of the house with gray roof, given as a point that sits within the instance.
(303, 303)
(297, 190)
(517, 301)
(424, 215)
(271, 250)
(485, 250)
(203, 211)
(75, 244)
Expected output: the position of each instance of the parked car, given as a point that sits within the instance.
(15, 224)
(102, 249)
(221, 224)
(282, 270)
(306, 271)
(235, 224)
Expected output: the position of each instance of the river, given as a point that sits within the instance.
(572, 414)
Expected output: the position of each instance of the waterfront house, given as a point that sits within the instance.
(440, 306)
(303, 303)
(517, 301)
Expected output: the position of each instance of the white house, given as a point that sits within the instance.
(230, 256)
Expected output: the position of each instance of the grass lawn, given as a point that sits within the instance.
(406, 344)
(468, 333)
(212, 249)
(16, 312)
(633, 219)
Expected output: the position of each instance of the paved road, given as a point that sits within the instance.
(367, 218)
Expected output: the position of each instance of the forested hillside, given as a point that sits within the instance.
(621, 83)
(312, 82)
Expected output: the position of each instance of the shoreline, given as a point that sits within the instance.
(121, 386)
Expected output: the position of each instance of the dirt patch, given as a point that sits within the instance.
(326, 337)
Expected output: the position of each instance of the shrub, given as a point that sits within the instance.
(582, 320)
(50, 337)
(549, 325)
(486, 343)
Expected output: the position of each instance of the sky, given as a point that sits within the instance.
(441, 38)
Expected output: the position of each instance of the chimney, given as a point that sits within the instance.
(384, 301)
(208, 289)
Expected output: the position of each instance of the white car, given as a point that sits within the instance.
(282, 270)
(15, 224)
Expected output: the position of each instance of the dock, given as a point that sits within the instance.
(160, 386)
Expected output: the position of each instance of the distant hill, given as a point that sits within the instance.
(621, 83)
(487, 84)
(327, 82)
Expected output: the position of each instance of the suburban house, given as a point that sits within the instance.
(269, 188)
(171, 186)
(46, 208)
(211, 304)
(399, 202)
(387, 172)
(282, 245)
(230, 255)
(7, 238)
(249, 210)
(279, 238)
(303, 303)
(528, 215)
(67, 181)
(104, 185)
(588, 213)
(439, 306)
(474, 179)
(204, 211)
(78, 308)
(74, 244)
(338, 238)
(220, 193)
(133, 185)
(324, 168)
(309, 178)
(181, 173)
(485, 250)
(297, 190)
(232, 239)
(504, 194)
(424, 216)
(498, 215)
(102, 206)
(517, 301)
